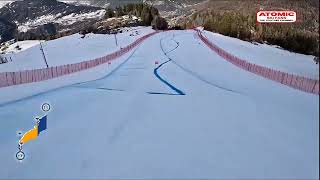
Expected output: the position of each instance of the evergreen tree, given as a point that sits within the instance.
(159, 23)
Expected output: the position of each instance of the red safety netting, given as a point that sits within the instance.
(36, 75)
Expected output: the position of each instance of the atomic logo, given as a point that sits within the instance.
(276, 16)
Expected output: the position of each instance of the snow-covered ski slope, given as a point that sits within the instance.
(71, 49)
(193, 115)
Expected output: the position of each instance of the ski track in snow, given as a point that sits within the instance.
(194, 74)
(156, 73)
(109, 74)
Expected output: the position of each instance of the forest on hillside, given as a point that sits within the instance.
(148, 14)
(239, 20)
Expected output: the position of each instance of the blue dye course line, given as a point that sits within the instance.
(155, 71)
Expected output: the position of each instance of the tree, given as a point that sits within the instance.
(119, 12)
(109, 13)
(146, 16)
(154, 12)
(159, 23)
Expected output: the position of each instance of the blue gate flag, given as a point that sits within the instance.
(42, 124)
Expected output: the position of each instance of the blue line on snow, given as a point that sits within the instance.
(159, 93)
(100, 88)
(155, 71)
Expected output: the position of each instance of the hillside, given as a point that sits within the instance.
(235, 18)
(41, 18)
(31, 10)
(59, 19)
(307, 11)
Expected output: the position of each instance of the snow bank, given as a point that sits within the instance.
(22, 45)
(266, 55)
